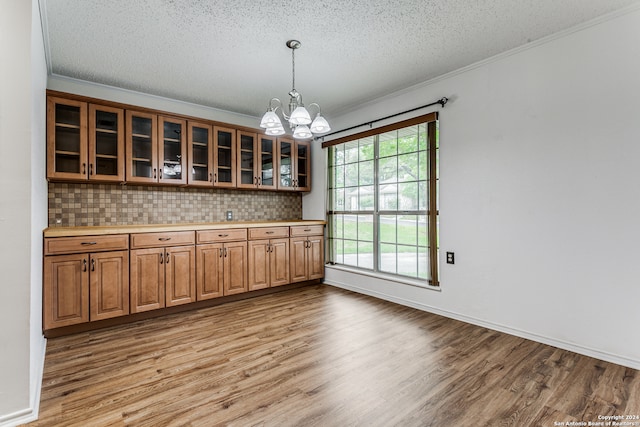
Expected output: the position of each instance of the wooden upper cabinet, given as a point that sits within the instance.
(246, 176)
(256, 157)
(266, 172)
(141, 147)
(67, 139)
(172, 151)
(106, 143)
(224, 155)
(200, 149)
(294, 165)
(84, 141)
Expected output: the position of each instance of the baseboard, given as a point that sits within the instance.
(573, 347)
(31, 413)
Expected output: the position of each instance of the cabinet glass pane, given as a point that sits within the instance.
(67, 139)
(68, 163)
(266, 163)
(172, 149)
(106, 166)
(246, 142)
(142, 168)
(285, 164)
(200, 153)
(141, 147)
(200, 135)
(246, 177)
(224, 139)
(106, 143)
(246, 160)
(67, 115)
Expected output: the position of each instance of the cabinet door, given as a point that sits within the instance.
(66, 290)
(180, 279)
(235, 268)
(147, 279)
(172, 151)
(299, 264)
(66, 139)
(303, 166)
(279, 262)
(267, 162)
(200, 149)
(246, 168)
(109, 284)
(258, 264)
(315, 257)
(209, 271)
(286, 164)
(141, 147)
(224, 152)
(106, 143)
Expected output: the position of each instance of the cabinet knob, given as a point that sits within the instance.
(84, 168)
(93, 264)
(84, 265)
(90, 168)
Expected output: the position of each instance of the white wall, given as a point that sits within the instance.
(540, 179)
(23, 208)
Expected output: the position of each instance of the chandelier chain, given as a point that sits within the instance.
(293, 66)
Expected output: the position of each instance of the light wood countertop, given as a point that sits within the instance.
(152, 228)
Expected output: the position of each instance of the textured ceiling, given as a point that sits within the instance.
(232, 55)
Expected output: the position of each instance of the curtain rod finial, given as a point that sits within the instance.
(443, 101)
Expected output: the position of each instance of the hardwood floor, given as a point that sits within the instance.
(321, 356)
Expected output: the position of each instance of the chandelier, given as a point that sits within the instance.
(298, 117)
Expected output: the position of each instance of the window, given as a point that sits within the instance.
(382, 200)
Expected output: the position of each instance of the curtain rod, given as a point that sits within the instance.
(442, 101)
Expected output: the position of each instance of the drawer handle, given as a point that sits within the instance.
(164, 239)
(307, 229)
(223, 235)
(270, 232)
(88, 243)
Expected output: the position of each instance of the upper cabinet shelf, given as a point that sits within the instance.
(88, 141)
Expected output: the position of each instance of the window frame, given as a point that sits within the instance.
(431, 123)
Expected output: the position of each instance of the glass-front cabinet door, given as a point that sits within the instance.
(200, 143)
(285, 164)
(172, 150)
(224, 152)
(303, 166)
(106, 143)
(141, 147)
(266, 166)
(246, 168)
(66, 139)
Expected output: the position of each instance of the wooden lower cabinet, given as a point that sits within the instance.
(85, 287)
(108, 285)
(307, 258)
(162, 277)
(268, 263)
(221, 269)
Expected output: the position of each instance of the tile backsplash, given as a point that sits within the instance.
(112, 204)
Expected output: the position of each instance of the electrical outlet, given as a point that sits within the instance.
(451, 259)
(229, 215)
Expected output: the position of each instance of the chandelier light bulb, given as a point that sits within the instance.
(302, 132)
(270, 120)
(320, 125)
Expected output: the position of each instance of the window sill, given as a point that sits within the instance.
(387, 277)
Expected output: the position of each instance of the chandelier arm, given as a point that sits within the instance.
(317, 105)
(271, 101)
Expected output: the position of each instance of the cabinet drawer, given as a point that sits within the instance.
(268, 233)
(307, 230)
(213, 236)
(69, 245)
(167, 238)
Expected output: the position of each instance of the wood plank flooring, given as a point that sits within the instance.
(322, 356)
